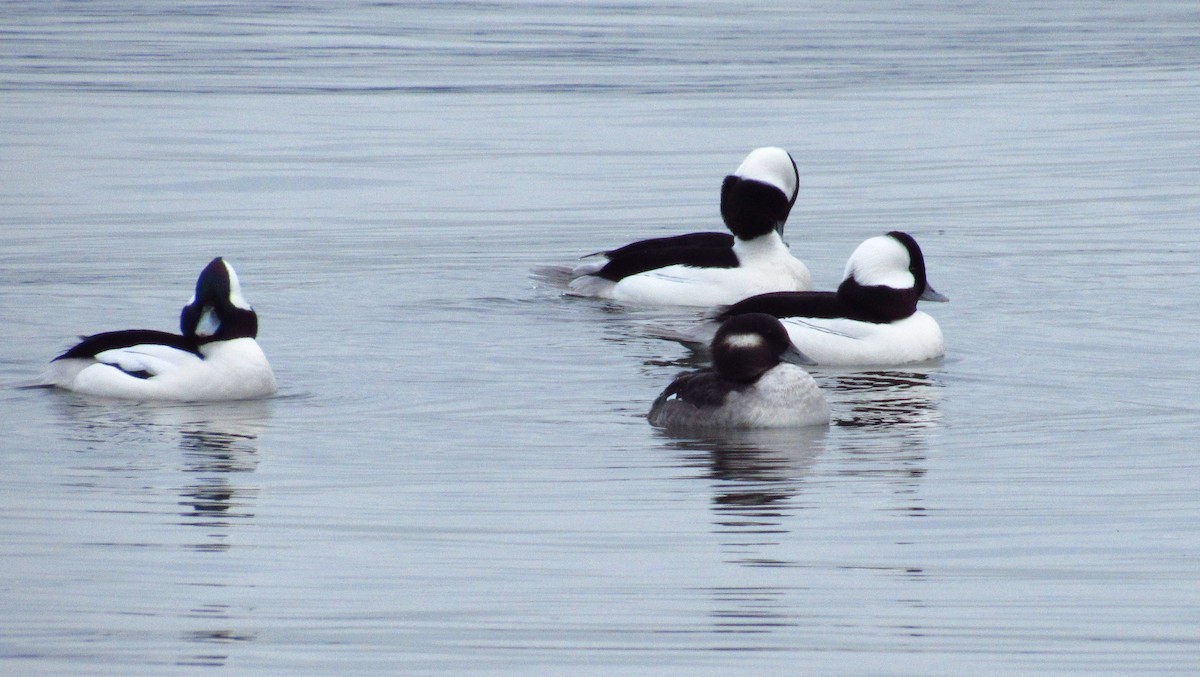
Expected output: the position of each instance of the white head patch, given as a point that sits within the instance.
(744, 340)
(235, 289)
(881, 261)
(772, 166)
(209, 323)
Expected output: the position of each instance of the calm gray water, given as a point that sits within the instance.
(457, 477)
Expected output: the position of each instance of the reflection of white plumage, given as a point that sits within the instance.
(215, 358)
(871, 320)
(749, 386)
(705, 269)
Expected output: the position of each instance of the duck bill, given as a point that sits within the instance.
(931, 294)
(793, 356)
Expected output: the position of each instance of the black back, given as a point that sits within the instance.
(788, 304)
(90, 346)
(853, 301)
(701, 388)
(700, 250)
(712, 239)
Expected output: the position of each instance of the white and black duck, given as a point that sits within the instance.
(215, 357)
(710, 268)
(872, 318)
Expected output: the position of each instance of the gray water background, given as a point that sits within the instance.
(457, 477)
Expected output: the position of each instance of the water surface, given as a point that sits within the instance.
(457, 477)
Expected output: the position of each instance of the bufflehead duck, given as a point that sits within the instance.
(705, 269)
(749, 385)
(872, 318)
(215, 358)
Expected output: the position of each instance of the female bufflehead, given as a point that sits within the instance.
(215, 358)
(748, 385)
(705, 269)
(872, 318)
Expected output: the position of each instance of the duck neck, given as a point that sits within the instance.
(763, 245)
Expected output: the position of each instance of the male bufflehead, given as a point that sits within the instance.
(705, 269)
(872, 318)
(215, 358)
(749, 385)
